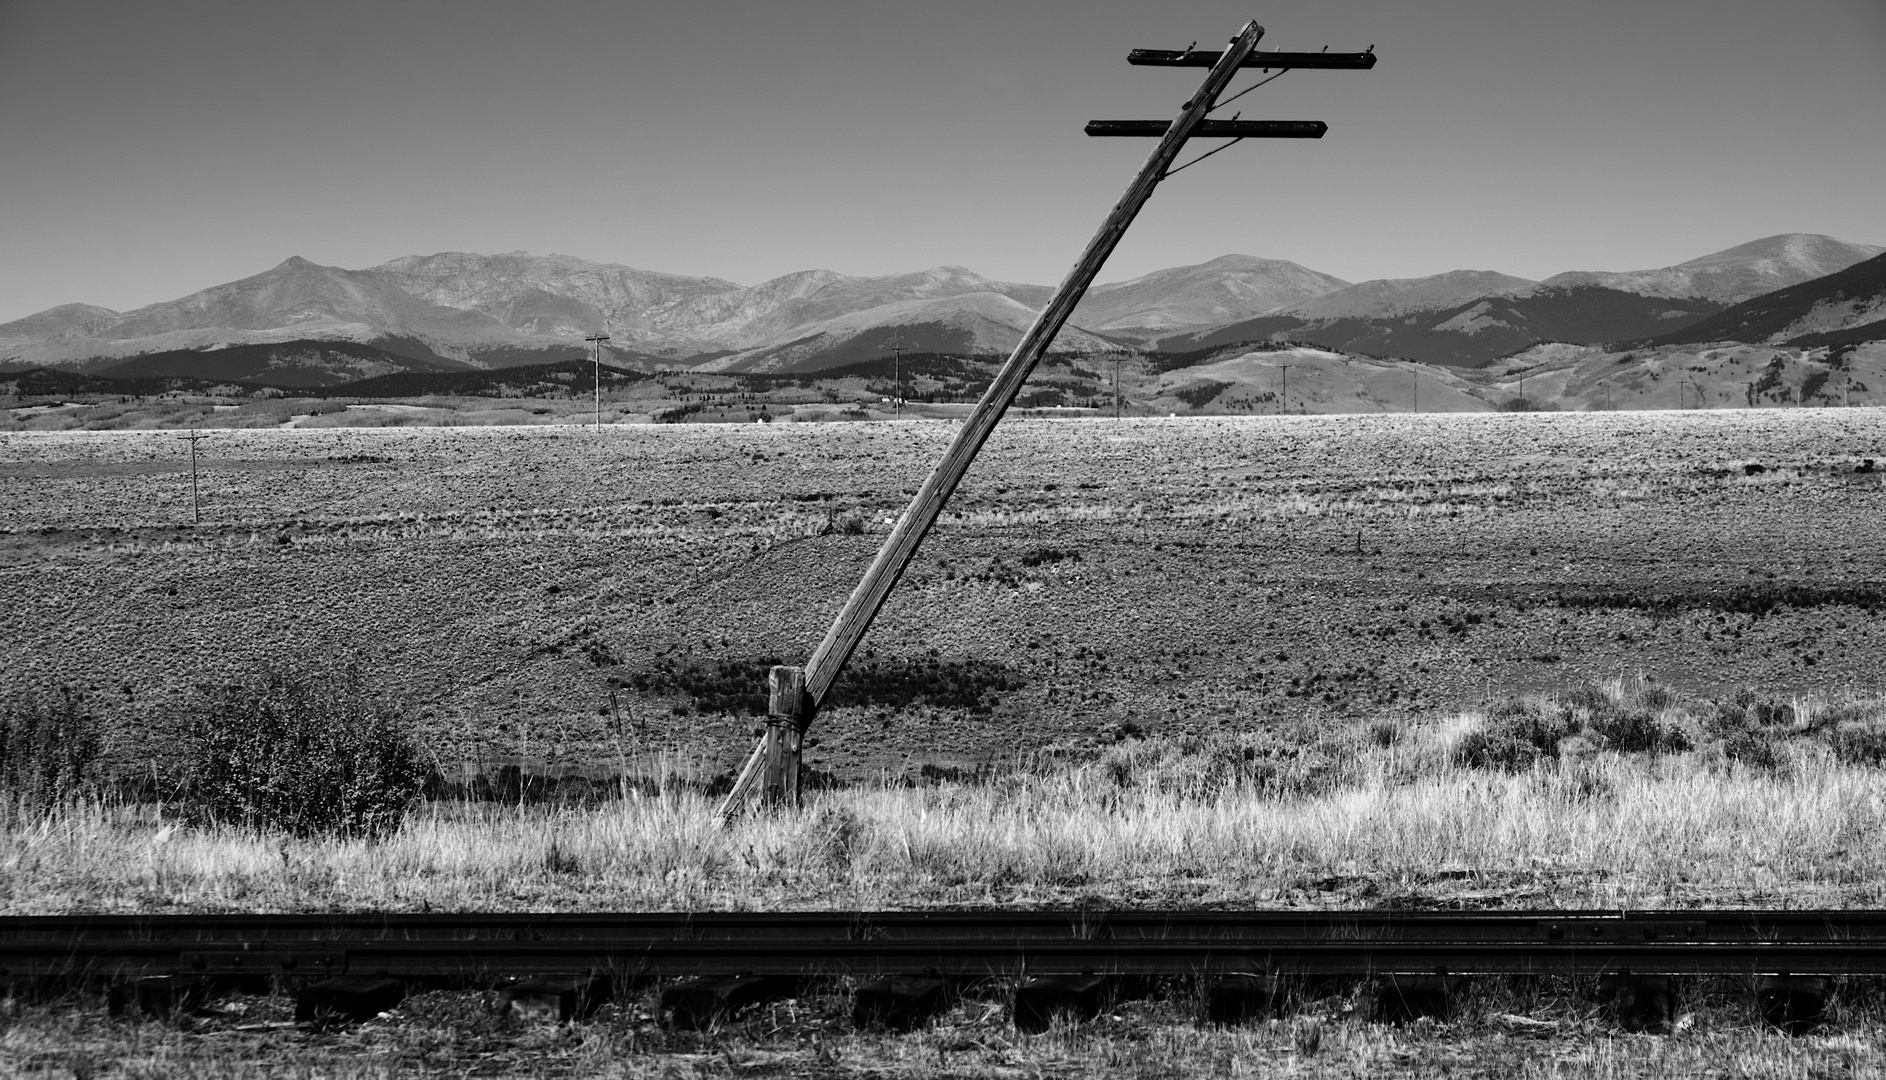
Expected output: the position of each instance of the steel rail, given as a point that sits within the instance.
(957, 943)
(1157, 924)
(955, 958)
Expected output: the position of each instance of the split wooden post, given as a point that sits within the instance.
(785, 734)
(771, 774)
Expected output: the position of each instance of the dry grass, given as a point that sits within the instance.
(1388, 816)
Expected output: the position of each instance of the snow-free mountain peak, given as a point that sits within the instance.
(64, 319)
(1846, 306)
(1385, 297)
(1181, 298)
(1735, 274)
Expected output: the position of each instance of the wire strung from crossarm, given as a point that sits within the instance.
(1246, 90)
(1215, 108)
(1202, 157)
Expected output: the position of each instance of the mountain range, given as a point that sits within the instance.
(303, 324)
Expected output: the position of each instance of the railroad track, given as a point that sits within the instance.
(1074, 958)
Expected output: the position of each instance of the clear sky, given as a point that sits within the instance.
(149, 149)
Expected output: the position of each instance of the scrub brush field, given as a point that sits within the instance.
(547, 597)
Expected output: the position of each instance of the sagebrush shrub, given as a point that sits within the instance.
(309, 752)
(1271, 763)
(1634, 730)
(1858, 741)
(49, 750)
(1590, 697)
(1516, 735)
(1752, 747)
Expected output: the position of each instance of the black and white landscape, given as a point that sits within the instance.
(1384, 634)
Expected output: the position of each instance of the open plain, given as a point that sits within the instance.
(1091, 577)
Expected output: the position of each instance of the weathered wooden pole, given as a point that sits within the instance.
(761, 777)
(196, 512)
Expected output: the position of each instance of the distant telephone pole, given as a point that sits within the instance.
(1417, 391)
(196, 514)
(1283, 406)
(897, 404)
(595, 348)
(1118, 355)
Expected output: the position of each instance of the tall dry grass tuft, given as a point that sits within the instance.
(49, 752)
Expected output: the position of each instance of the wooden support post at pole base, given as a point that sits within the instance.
(855, 617)
(772, 772)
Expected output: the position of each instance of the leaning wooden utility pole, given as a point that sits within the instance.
(772, 771)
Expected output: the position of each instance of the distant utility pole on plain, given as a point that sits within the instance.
(196, 514)
(1417, 391)
(1283, 406)
(897, 403)
(1119, 355)
(595, 349)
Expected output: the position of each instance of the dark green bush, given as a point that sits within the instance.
(1588, 696)
(1858, 741)
(48, 751)
(1753, 747)
(1516, 735)
(310, 752)
(1274, 763)
(1635, 730)
(1746, 731)
(1772, 713)
(1048, 556)
(1655, 698)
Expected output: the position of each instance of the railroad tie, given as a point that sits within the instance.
(347, 998)
(1241, 997)
(557, 998)
(1641, 1003)
(1797, 1004)
(899, 1002)
(1077, 997)
(159, 996)
(702, 1003)
(1400, 998)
